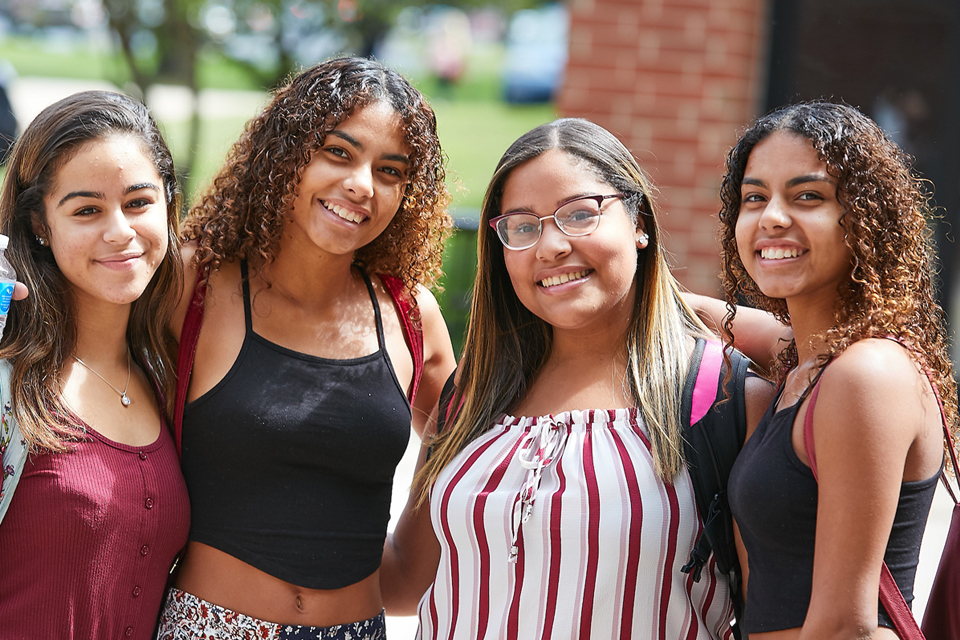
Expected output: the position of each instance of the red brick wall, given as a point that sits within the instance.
(675, 80)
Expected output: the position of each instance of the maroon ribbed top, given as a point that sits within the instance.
(89, 538)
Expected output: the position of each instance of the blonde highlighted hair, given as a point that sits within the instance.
(507, 345)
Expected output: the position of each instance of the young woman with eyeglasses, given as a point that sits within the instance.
(555, 501)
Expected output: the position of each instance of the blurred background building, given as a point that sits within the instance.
(677, 79)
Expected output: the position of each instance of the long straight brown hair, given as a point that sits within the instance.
(507, 345)
(41, 331)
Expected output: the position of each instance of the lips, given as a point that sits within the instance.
(342, 212)
(563, 278)
(120, 261)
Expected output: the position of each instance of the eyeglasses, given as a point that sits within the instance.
(577, 217)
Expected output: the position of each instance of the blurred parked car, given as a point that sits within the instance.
(536, 55)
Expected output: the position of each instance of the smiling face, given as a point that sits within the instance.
(788, 231)
(106, 220)
(571, 282)
(353, 186)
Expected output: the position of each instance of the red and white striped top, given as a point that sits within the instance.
(597, 539)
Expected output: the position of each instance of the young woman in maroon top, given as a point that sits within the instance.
(90, 204)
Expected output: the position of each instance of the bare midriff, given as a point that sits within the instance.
(881, 633)
(217, 577)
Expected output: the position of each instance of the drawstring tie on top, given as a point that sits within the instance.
(538, 449)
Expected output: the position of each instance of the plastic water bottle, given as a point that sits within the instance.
(8, 278)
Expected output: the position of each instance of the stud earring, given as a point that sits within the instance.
(41, 241)
(642, 241)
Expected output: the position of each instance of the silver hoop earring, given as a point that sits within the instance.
(41, 241)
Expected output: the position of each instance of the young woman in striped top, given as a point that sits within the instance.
(559, 504)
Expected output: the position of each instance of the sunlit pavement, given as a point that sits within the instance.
(30, 95)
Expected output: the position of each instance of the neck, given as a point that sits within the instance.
(310, 278)
(102, 336)
(810, 323)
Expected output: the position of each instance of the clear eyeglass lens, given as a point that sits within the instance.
(577, 218)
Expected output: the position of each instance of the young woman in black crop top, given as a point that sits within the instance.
(823, 225)
(297, 408)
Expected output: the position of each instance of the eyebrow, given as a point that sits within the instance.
(100, 196)
(792, 182)
(393, 157)
(560, 203)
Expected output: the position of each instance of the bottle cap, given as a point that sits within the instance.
(4, 240)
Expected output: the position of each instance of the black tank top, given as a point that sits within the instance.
(289, 460)
(773, 496)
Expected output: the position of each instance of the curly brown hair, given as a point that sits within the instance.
(242, 213)
(885, 213)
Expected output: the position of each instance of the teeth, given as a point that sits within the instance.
(553, 281)
(346, 214)
(779, 253)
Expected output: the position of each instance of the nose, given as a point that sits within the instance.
(118, 229)
(553, 243)
(775, 215)
(360, 181)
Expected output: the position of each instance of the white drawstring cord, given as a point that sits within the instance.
(538, 449)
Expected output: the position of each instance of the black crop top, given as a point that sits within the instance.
(773, 496)
(289, 460)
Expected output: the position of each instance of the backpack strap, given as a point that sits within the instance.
(714, 429)
(410, 322)
(903, 621)
(13, 446)
(187, 351)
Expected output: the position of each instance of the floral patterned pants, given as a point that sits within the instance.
(187, 617)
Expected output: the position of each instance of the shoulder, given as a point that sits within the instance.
(876, 390)
(874, 367)
(428, 306)
(187, 254)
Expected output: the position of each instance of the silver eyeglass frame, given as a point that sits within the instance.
(494, 222)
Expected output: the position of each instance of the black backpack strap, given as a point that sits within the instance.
(710, 447)
(446, 397)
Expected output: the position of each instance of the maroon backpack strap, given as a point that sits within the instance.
(189, 336)
(410, 321)
(903, 621)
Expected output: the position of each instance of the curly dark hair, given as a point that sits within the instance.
(242, 213)
(885, 213)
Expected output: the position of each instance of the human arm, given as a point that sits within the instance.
(875, 425)
(757, 333)
(411, 553)
(758, 395)
(187, 251)
(438, 360)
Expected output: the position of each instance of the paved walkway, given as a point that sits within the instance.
(30, 95)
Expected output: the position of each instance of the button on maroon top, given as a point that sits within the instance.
(77, 541)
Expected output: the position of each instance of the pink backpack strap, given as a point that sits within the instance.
(187, 351)
(705, 389)
(903, 621)
(410, 321)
